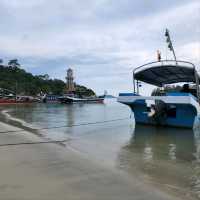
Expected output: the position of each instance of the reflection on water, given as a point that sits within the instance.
(196, 163)
(166, 143)
(166, 156)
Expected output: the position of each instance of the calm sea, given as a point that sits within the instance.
(166, 157)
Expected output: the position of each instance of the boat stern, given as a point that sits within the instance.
(177, 111)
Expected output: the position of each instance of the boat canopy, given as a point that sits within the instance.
(166, 72)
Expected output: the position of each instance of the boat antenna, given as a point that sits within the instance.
(170, 45)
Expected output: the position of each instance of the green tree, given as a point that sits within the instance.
(28, 84)
(13, 63)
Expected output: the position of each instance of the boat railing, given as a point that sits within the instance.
(164, 63)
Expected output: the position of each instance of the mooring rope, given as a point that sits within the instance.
(54, 127)
(65, 126)
(31, 143)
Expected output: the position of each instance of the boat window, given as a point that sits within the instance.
(148, 109)
(171, 111)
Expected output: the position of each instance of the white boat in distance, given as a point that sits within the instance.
(69, 99)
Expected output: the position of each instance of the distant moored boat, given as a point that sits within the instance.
(68, 99)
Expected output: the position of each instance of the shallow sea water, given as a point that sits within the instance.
(166, 157)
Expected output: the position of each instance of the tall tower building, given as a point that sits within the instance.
(70, 88)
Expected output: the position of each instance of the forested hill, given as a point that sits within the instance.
(16, 79)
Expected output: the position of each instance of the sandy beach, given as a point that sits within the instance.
(42, 171)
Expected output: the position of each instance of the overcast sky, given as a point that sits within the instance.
(102, 40)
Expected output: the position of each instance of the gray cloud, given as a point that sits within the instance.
(101, 39)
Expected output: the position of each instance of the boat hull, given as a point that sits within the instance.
(7, 101)
(185, 116)
(4, 101)
(69, 100)
(176, 111)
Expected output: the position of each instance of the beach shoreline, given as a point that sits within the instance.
(30, 169)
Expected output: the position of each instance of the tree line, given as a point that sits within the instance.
(16, 79)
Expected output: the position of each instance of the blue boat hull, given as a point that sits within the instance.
(185, 115)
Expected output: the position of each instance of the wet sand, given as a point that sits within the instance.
(49, 171)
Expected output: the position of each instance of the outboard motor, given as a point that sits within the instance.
(158, 111)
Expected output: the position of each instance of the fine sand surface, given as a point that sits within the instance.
(43, 171)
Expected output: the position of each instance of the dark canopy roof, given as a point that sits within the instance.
(165, 72)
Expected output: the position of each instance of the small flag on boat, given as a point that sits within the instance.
(158, 55)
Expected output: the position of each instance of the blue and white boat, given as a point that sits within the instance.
(178, 109)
